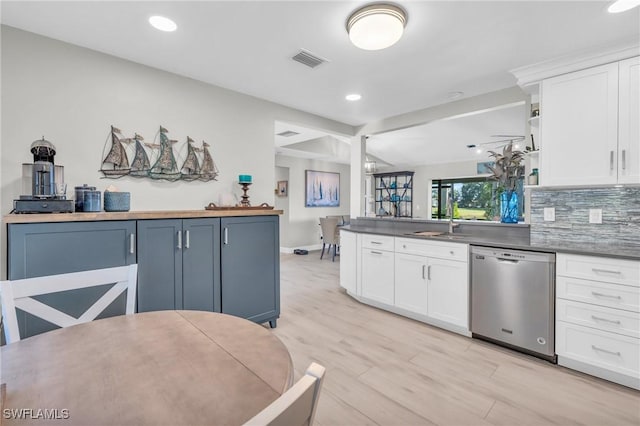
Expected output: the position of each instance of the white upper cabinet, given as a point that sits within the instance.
(590, 127)
(629, 122)
(579, 128)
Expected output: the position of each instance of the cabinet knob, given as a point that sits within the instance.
(404, 246)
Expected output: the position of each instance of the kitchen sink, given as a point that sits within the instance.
(439, 235)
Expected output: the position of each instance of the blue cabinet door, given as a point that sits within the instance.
(159, 265)
(201, 264)
(250, 267)
(41, 249)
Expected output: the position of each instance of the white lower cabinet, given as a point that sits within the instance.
(348, 261)
(598, 317)
(411, 283)
(425, 280)
(377, 275)
(448, 291)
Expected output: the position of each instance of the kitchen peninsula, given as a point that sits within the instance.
(212, 260)
(417, 269)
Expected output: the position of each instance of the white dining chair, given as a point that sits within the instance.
(297, 406)
(18, 294)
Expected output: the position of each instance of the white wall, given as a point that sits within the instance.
(71, 95)
(282, 203)
(303, 229)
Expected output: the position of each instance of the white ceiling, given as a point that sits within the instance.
(445, 141)
(246, 46)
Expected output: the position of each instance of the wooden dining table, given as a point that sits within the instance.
(165, 367)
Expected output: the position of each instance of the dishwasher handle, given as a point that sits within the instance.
(503, 260)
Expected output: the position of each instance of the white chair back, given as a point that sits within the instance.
(297, 406)
(18, 294)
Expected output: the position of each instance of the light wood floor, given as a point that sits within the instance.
(388, 370)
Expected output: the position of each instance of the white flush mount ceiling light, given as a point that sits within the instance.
(353, 97)
(623, 5)
(376, 26)
(163, 24)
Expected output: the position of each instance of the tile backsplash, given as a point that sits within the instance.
(620, 216)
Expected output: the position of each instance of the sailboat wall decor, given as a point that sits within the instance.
(117, 157)
(156, 160)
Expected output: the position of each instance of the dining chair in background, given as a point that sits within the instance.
(18, 294)
(330, 234)
(297, 406)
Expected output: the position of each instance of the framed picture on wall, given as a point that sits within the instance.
(282, 188)
(322, 189)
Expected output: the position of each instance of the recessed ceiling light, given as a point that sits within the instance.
(376, 26)
(163, 24)
(353, 97)
(622, 6)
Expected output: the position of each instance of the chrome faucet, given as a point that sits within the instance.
(450, 212)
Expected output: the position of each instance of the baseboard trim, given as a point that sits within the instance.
(289, 250)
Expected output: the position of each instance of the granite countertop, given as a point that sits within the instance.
(133, 215)
(508, 242)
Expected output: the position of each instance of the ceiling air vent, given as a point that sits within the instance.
(308, 59)
(287, 133)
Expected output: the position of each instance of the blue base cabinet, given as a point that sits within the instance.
(251, 268)
(229, 264)
(39, 249)
(179, 264)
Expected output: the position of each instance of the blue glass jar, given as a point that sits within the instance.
(509, 207)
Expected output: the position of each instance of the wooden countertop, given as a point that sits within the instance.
(133, 215)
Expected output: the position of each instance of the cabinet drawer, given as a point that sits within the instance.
(617, 271)
(599, 293)
(599, 348)
(606, 319)
(439, 249)
(379, 242)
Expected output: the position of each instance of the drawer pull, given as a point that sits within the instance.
(611, 160)
(429, 272)
(451, 252)
(179, 247)
(606, 271)
(595, 348)
(423, 268)
(605, 320)
(376, 242)
(132, 243)
(375, 252)
(605, 295)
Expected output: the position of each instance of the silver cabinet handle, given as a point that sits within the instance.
(226, 236)
(429, 272)
(611, 160)
(595, 348)
(423, 268)
(624, 159)
(605, 295)
(605, 320)
(179, 240)
(608, 271)
(186, 239)
(376, 242)
(132, 243)
(375, 252)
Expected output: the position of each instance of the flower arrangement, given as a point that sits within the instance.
(507, 169)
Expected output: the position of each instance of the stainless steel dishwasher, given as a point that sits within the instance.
(512, 299)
